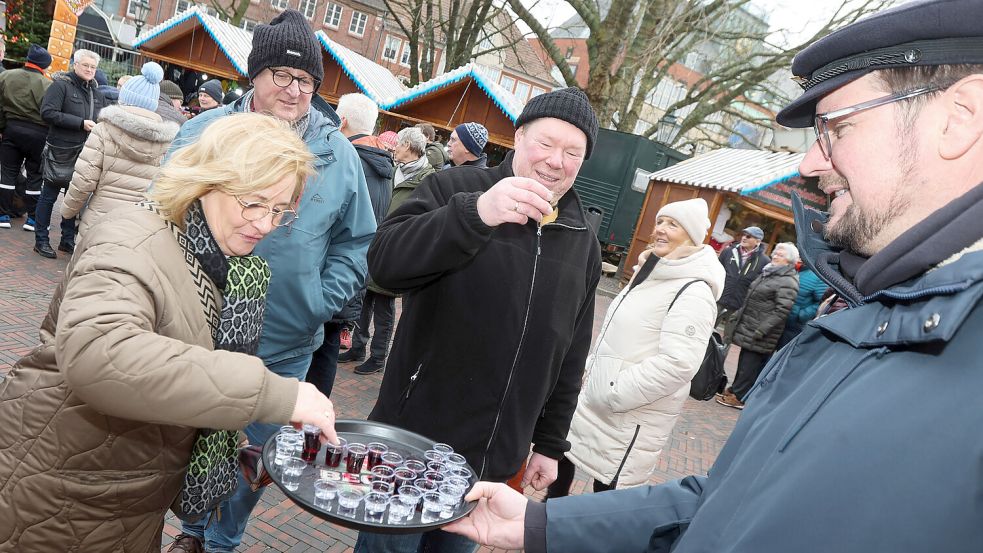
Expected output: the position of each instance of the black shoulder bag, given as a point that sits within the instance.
(707, 379)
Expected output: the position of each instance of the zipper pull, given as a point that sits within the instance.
(539, 235)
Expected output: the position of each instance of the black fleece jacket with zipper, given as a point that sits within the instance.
(496, 324)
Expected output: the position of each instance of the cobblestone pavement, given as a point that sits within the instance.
(28, 280)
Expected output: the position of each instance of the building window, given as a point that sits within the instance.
(404, 59)
(573, 68)
(391, 50)
(281, 4)
(521, 90)
(569, 53)
(181, 7)
(332, 15)
(308, 7)
(248, 24)
(536, 91)
(508, 83)
(357, 26)
(486, 43)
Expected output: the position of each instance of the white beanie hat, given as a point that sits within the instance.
(143, 91)
(693, 215)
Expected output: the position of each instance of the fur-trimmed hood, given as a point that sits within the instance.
(140, 123)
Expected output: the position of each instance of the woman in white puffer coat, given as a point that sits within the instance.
(639, 374)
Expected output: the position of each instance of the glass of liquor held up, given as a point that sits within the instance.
(312, 442)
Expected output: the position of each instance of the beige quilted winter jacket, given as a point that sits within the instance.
(98, 421)
(120, 158)
(639, 374)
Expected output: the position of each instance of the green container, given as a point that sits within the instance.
(605, 182)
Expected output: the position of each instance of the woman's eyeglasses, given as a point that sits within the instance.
(254, 211)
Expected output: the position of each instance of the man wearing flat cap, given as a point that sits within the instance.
(318, 261)
(862, 434)
(498, 269)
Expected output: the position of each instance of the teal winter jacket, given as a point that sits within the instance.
(318, 262)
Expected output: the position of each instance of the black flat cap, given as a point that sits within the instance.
(922, 32)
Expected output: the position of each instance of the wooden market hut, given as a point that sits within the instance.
(468, 93)
(753, 180)
(196, 40)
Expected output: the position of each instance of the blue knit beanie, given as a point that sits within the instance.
(143, 91)
(474, 137)
(38, 56)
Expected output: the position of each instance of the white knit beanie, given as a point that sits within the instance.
(693, 215)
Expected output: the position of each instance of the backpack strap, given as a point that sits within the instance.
(680, 292)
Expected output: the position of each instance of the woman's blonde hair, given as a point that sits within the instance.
(238, 154)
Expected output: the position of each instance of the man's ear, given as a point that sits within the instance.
(963, 117)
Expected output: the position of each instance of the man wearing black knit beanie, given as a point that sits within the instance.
(318, 261)
(501, 268)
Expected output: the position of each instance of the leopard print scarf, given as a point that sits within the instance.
(212, 474)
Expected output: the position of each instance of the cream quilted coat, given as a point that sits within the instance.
(120, 158)
(639, 373)
(98, 421)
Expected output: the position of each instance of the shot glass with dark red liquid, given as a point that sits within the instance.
(333, 453)
(403, 477)
(312, 442)
(355, 458)
(376, 450)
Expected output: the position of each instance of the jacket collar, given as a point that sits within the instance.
(944, 233)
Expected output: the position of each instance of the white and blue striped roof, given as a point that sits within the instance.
(502, 98)
(234, 42)
(375, 81)
(733, 170)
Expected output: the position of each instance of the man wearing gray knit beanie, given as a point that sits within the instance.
(502, 269)
(318, 261)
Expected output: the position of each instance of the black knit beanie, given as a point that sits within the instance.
(287, 41)
(567, 104)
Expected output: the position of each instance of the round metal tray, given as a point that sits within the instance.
(406, 443)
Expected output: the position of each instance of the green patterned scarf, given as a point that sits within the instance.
(236, 326)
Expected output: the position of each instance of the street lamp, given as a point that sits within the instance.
(140, 9)
(667, 128)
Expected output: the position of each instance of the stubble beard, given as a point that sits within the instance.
(860, 230)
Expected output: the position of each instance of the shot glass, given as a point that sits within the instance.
(293, 469)
(356, 457)
(458, 482)
(419, 467)
(460, 472)
(431, 507)
(443, 449)
(401, 509)
(450, 498)
(348, 500)
(286, 446)
(382, 487)
(382, 475)
(403, 477)
(411, 493)
(333, 453)
(325, 493)
(376, 450)
(455, 460)
(375, 506)
(312, 442)
(425, 485)
(434, 476)
(437, 466)
(392, 459)
(433, 456)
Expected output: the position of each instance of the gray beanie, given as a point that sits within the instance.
(212, 88)
(567, 104)
(287, 41)
(692, 215)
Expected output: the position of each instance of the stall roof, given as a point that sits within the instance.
(733, 170)
(502, 98)
(376, 81)
(234, 42)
